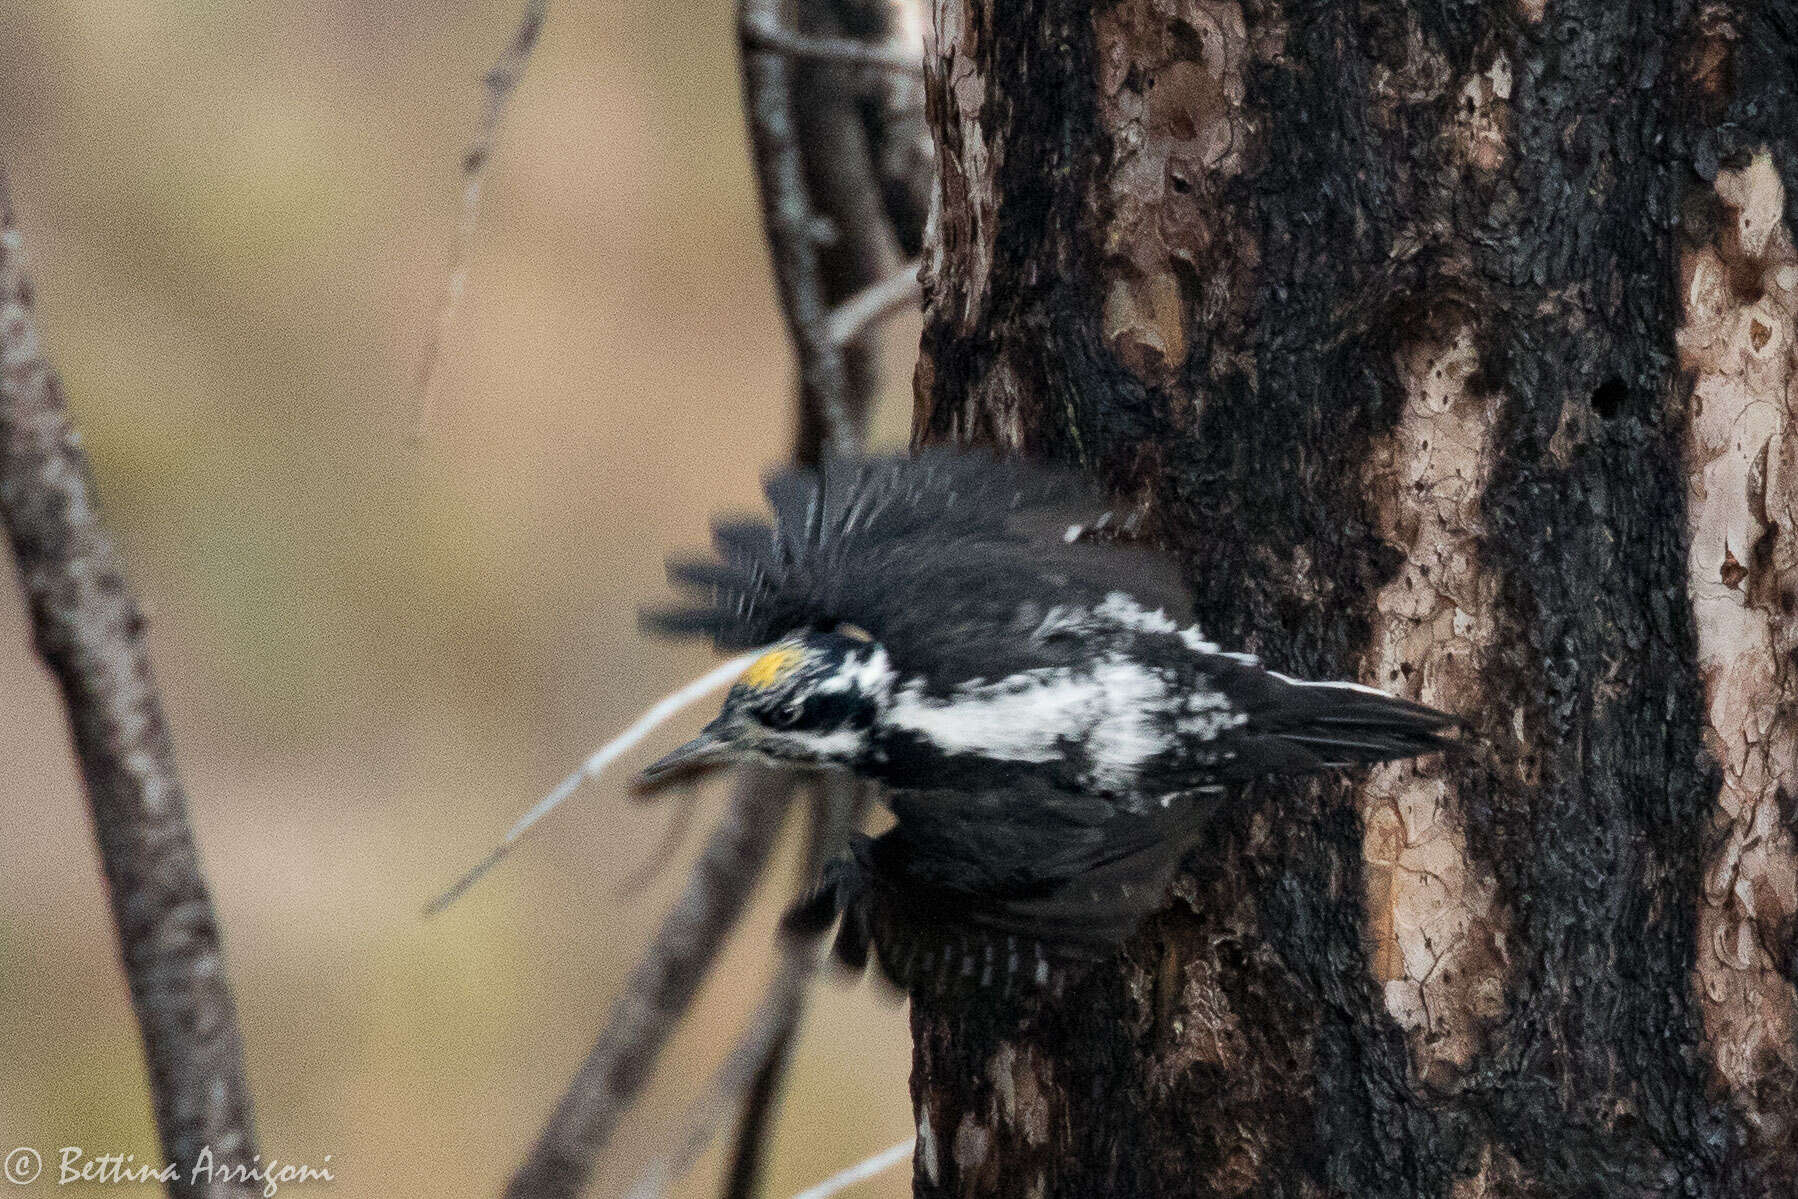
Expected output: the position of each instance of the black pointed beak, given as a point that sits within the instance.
(711, 748)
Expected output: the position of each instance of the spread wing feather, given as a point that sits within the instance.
(940, 557)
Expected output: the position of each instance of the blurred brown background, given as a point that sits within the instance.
(376, 653)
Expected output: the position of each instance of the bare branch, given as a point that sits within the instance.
(658, 991)
(904, 151)
(90, 633)
(759, 1055)
(743, 1178)
(836, 387)
(499, 83)
(838, 806)
(762, 31)
(775, 1020)
(855, 316)
(791, 222)
(819, 160)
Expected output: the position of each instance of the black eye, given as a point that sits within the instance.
(787, 715)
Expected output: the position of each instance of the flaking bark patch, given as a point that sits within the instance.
(1740, 316)
(1483, 115)
(1435, 929)
(1498, 1177)
(1170, 97)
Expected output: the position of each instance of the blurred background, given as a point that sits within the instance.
(375, 652)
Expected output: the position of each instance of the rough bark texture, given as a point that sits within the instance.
(1451, 346)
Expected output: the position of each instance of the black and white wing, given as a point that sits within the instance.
(1238, 721)
(1002, 888)
(943, 558)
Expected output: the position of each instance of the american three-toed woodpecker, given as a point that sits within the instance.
(1050, 733)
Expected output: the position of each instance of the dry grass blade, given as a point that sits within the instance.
(861, 1171)
(854, 316)
(595, 765)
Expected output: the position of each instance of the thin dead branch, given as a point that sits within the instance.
(659, 990)
(748, 1153)
(838, 806)
(773, 1025)
(792, 226)
(89, 631)
(658, 715)
(759, 1055)
(499, 84)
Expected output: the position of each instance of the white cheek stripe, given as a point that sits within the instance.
(839, 746)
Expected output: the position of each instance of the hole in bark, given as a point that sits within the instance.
(1192, 288)
(1760, 555)
(1733, 572)
(1745, 279)
(1608, 401)
(1188, 42)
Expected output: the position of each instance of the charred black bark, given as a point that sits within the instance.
(1371, 199)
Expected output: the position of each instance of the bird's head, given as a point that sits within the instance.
(809, 701)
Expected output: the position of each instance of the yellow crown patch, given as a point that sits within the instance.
(772, 667)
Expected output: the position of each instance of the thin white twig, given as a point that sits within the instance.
(850, 319)
(602, 757)
(886, 1159)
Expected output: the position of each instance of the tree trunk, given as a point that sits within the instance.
(1451, 347)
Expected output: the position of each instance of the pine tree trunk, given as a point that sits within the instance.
(1451, 346)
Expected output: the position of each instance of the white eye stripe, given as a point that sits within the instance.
(870, 673)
